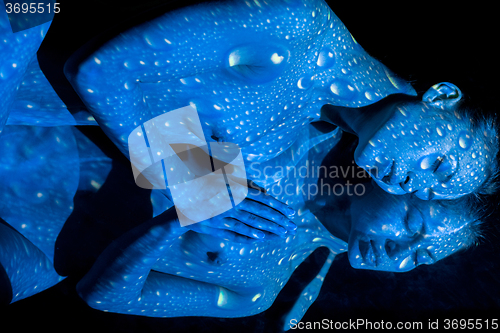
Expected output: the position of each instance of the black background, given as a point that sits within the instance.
(424, 43)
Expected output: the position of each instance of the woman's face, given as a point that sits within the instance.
(428, 151)
(398, 233)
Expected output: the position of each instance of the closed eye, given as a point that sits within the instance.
(435, 166)
(414, 221)
(443, 168)
(406, 224)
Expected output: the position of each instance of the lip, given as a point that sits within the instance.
(389, 176)
(385, 173)
(424, 194)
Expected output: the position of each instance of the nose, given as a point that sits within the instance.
(420, 183)
(412, 251)
(397, 249)
(410, 183)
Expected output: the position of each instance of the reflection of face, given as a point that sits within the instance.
(398, 233)
(426, 150)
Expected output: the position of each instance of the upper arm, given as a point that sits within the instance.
(26, 269)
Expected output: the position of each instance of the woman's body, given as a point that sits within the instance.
(210, 275)
(256, 74)
(262, 74)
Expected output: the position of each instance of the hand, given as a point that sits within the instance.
(258, 217)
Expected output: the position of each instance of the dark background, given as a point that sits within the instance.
(422, 42)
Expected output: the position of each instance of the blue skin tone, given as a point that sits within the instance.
(16, 50)
(385, 232)
(132, 90)
(339, 78)
(255, 90)
(427, 149)
(398, 233)
(23, 152)
(406, 233)
(257, 94)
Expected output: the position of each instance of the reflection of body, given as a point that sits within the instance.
(208, 276)
(215, 276)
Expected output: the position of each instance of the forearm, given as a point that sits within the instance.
(119, 274)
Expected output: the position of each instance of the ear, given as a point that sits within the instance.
(443, 95)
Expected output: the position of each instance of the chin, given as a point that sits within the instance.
(357, 261)
(383, 267)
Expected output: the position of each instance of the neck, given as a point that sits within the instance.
(365, 121)
(332, 205)
(336, 217)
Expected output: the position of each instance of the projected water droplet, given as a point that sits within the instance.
(7, 69)
(370, 95)
(406, 261)
(326, 58)
(305, 82)
(342, 89)
(426, 162)
(464, 140)
(191, 82)
(258, 62)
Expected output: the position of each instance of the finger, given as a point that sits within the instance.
(260, 223)
(268, 213)
(231, 224)
(270, 201)
(241, 228)
(230, 235)
(206, 228)
(270, 237)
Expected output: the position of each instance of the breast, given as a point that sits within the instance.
(233, 265)
(255, 72)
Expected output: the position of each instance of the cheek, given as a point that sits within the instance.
(375, 155)
(446, 245)
(398, 140)
(473, 166)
